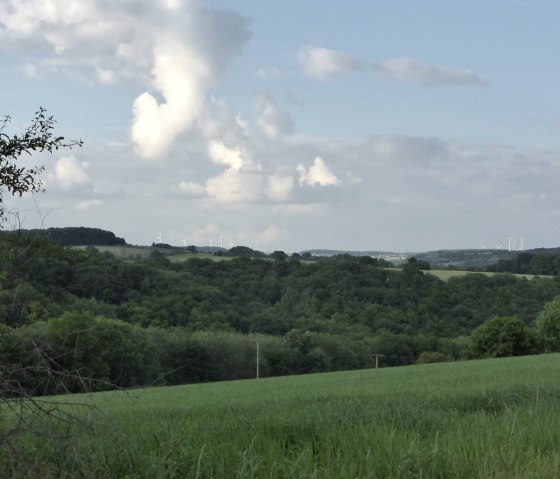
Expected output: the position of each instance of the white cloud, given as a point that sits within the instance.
(236, 187)
(204, 235)
(271, 233)
(176, 49)
(317, 174)
(406, 69)
(273, 122)
(106, 76)
(88, 204)
(181, 77)
(322, 62)
(192, 189)
(219, 122)
(279, 188)
(69, 172)
(221, 154)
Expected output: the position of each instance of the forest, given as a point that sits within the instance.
(153, 321)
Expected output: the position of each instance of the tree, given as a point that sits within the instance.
(431, 357)
(278, 255)
(243, 251)
(548, 324)
(502, 337)
(30, 413)
(413, 265)
(37, 137)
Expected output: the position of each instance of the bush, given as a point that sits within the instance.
(548, 324)
(502, 337)
(431, 357)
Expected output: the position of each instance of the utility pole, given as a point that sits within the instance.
(257, 343)
(377, 356)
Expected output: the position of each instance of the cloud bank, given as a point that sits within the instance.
(69, 173)
(251, 169)
(176, 49)
(322, 62)
(274, 123)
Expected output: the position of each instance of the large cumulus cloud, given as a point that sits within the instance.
(176, 49)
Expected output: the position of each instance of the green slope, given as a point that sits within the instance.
(477, 419)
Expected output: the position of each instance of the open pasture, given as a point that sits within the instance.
(476, 419)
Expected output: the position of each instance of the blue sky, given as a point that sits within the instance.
(384, 125)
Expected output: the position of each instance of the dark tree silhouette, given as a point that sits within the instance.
(39, 136)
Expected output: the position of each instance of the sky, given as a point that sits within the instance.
(386, 125)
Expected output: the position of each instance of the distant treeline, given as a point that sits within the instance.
(534, 262)
(73, 236)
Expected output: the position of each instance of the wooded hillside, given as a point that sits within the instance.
(154, 321)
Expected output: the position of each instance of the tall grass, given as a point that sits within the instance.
(477, 419)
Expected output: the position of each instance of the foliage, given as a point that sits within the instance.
(71, 236)
(37, 137)
(243, 251)
(414, 264)
(501, 337)
(26, 367)
(534, 262)
(431, 357)
(193, 318)
(548, 324)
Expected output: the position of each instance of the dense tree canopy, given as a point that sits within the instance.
(548, 324)
(503, 336)
(154, 321)
(546, 262)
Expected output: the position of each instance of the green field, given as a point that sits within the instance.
(476, 419)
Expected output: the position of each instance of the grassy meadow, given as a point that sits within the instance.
(479, 419)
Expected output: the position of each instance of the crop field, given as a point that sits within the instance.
(476, 419)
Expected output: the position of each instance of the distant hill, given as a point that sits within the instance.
(478, 259)
(465, 258)
(392, 256)
(439, 258)
(76, 236)
(457, 258)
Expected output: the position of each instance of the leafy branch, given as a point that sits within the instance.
(37, 137)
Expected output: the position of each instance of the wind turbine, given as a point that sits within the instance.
(221, 241)
(256, 245)
(158, 239)
(211, 242)
(231, 243)
(185, 241)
